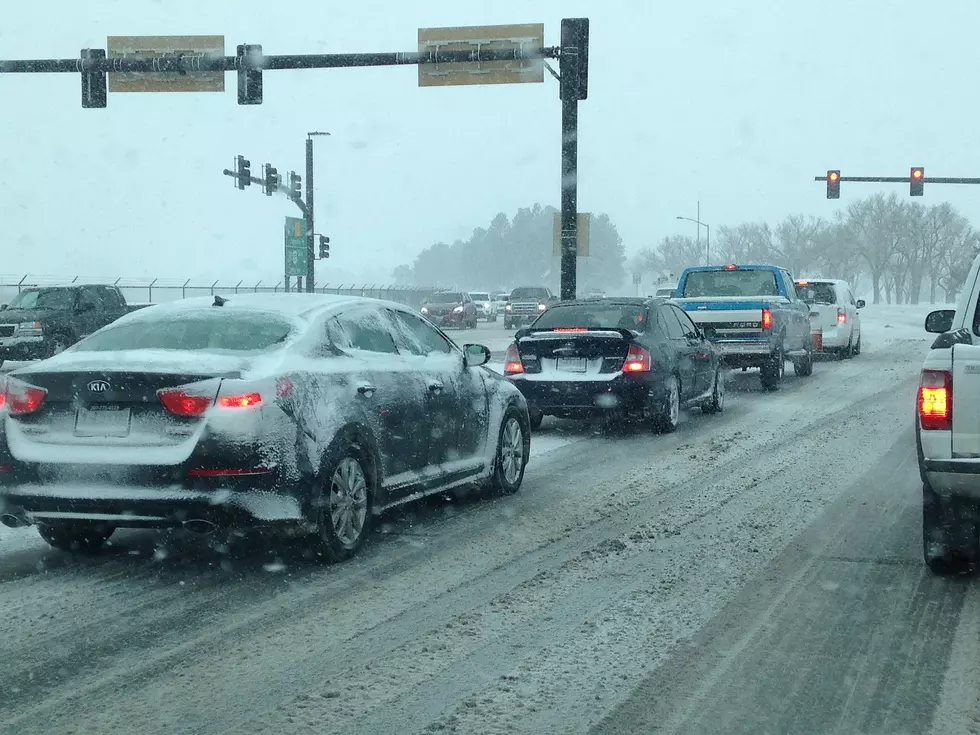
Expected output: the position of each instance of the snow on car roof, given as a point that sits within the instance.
(303, 305)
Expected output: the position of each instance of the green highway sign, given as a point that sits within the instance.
(296, 246)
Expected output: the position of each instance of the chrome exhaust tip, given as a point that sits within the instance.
(200, 526)
(16, 519)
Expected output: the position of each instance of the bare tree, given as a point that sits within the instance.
(871, 226)
(672, 255)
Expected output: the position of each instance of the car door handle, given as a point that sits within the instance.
(366, 390)
(435, 386)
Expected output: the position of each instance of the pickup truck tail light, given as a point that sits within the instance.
(935, 400)
(841, 316)
(512, 361)
(766, 319)
(637, 360)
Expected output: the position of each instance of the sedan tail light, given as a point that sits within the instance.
(20, 398)
(841, 316)
(935, 400)
(180, 403)
(512, 361)
(637, 360)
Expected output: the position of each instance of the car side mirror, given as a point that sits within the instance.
(940, 321)
(860, 303)
(476, 355)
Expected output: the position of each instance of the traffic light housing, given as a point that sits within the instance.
(244, 170)
(833, 184)
(271, 180)
(324, 246)
(917, 177)
(93, 82)
(249, 80)
(295, 185)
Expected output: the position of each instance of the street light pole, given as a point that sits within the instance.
(310, 238)
(700, 224)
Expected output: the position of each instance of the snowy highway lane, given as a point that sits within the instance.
(757, 571)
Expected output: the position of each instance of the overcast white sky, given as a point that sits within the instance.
(741, 102)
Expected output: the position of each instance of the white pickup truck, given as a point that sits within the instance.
(947, 433)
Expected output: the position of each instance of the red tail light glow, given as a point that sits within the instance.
(184, 404)
(512, 361)
(766, 319)
(245, 400)
(20, 398)
(637, 360)
(936, 400)
(730, 267)
(570, 329)
(228, 471)
(841, 316)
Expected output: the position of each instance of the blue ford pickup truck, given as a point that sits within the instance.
(752, 314)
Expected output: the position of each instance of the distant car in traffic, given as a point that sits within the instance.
(666, 292)
(486, 307)
(307, 411)
(615, 356)
(834, 317)
(450, 309)
(525, 304)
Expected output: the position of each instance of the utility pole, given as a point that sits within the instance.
(573, 64)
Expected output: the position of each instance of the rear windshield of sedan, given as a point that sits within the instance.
(817, 293)
(593, 316)
(730, 283)
(217, 331)
(445, 297)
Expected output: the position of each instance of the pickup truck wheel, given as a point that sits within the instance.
(950, 542)
(667, 413)
(772, 370)
(803, 366)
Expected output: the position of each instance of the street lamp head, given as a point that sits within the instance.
(316, 132)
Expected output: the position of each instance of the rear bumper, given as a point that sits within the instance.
(522, 318)
(558, 397)
(743, 353)
(139, 507)
(952, 477)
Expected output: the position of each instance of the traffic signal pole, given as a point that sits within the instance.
(310, 237)
(573, 85)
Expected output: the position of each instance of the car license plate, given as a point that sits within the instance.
(571, 364)
(103, 421)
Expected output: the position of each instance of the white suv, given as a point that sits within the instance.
(833, 314)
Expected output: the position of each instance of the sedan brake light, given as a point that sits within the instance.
(637, 360)
(841, 316)
(570, 329)
(180, 403)
(935, 400)
(21, 398)
(512, 361)
(766, 319)
(245, 400)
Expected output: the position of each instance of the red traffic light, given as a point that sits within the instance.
(916, 173)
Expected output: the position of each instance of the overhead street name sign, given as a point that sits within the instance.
(582, 238)
(296, 246)
(152, 47)
(528, 38)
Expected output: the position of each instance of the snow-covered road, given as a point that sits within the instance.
(757, 571)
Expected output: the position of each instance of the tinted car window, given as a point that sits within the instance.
(594, 316)
(362, 330)
(730, 283)
(817, 293)
(687, 326)
(213, 331)
(48, 298)
(669, 324)
(421, 337)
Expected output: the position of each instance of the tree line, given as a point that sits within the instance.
(517, 251)
(909, 252)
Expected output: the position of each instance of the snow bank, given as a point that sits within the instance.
(883, 324)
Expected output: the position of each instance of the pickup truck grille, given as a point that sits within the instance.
(523, 308)
(6, 330)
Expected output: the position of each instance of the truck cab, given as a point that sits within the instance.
(947, 433)
(752, 314)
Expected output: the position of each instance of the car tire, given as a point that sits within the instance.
(772, 370)
(716, 404)
(803, 366)
(950, 542)
(667, 414)
(343, 518)
(76, 537)
(513, 449)
(857, 346)
(848, 352)
(535, 418)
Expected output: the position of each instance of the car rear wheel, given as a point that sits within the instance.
(78, 537)
(857, 346)
(803, 366)
(344, 514)
(950, 540)
(513, 447)
(716, 404)
(667, 415)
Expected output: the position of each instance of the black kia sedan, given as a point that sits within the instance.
(641, 358)
(308, 410)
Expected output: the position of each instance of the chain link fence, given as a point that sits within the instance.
(161, 290)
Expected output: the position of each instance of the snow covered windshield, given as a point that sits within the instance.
(49, 298)
(730, 283)
(593, 316)
(216, 331)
